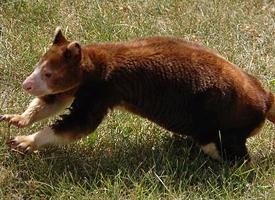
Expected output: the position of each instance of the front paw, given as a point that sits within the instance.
(16, 120)
(24, 143)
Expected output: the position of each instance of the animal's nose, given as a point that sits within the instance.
(27, 85)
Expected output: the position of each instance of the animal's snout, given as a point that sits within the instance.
(28, 85)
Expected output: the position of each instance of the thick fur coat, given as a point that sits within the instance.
(180, 86)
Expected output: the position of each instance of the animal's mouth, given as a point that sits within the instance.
(45, 93)
(38, 93)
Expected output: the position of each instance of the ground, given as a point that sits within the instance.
(128, 157)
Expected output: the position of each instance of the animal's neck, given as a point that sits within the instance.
(94, 63)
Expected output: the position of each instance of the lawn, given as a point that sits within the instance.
(128, 157)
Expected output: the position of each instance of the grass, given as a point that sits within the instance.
(129, 157)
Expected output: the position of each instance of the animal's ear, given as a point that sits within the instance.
(58, 36)
(73, 50)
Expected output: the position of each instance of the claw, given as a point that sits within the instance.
(2, 117)
(23, 149)
(16, 120)
(28, 150)
(17, 147)
(17, 151)
(11, 142)
(23, 144)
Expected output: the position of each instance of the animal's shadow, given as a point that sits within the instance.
(176, 158)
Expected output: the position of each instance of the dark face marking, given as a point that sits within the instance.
(62, 70)
(58, 70)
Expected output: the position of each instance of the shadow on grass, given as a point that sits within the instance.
(177, 162)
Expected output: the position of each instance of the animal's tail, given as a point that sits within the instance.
(271, 112)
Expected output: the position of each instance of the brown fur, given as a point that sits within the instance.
(179, 85)
(271, 113)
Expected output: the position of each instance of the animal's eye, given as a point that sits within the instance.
(48, 74)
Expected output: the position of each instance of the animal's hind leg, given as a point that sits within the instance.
(228, 146)
(232, 145)
(208, 144)
(231, 142)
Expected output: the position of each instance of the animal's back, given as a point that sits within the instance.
(184, 87)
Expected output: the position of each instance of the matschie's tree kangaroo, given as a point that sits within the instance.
(179, 85)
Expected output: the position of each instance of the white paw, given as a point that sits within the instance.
(211, 150)
(24, 143)
(16, 120)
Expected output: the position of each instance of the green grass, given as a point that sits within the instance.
(129, 157)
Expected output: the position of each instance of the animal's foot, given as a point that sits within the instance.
(16, 120)
(24, 143)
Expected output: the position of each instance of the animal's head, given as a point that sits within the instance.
(58, 70)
